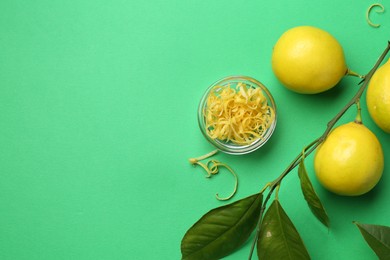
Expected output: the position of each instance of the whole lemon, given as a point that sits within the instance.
(308, 60)
(350, 161)
(378, 97)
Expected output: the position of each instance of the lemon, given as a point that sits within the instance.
(378, 97)
(350, 161)
(308, 60)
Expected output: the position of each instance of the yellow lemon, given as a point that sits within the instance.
(378, 97)
(350, 161)
(308, 60)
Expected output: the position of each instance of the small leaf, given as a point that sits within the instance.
(222, 230)
(278, 237)
(377, 237)
(311, 196)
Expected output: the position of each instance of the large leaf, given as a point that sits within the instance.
(377, 237)
(311, 196)
(222, 230)
(278, 237)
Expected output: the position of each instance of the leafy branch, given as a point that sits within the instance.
(313, 145)
(222, 230)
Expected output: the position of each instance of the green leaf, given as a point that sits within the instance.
(278, 238)
(311, 197)
(222, 230)
(377, 237)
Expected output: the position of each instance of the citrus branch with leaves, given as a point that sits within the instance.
(222, 230)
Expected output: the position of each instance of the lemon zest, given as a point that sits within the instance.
(207, 155)
(212, 168)
(381, 10)
(240, 115)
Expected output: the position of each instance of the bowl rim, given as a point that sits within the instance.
(237, 149)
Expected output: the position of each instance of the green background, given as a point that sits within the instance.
(98, 105)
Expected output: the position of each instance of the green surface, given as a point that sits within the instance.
(98, 107)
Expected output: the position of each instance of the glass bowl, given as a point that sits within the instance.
(228, 146)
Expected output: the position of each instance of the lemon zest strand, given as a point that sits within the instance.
(381, 10)
(212, 167)
(200, 158)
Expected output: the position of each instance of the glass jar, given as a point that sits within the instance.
(228, 146)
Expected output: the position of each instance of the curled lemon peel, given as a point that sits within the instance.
(381, 10)
(212, 167)
(214, 164)
(240, 115)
